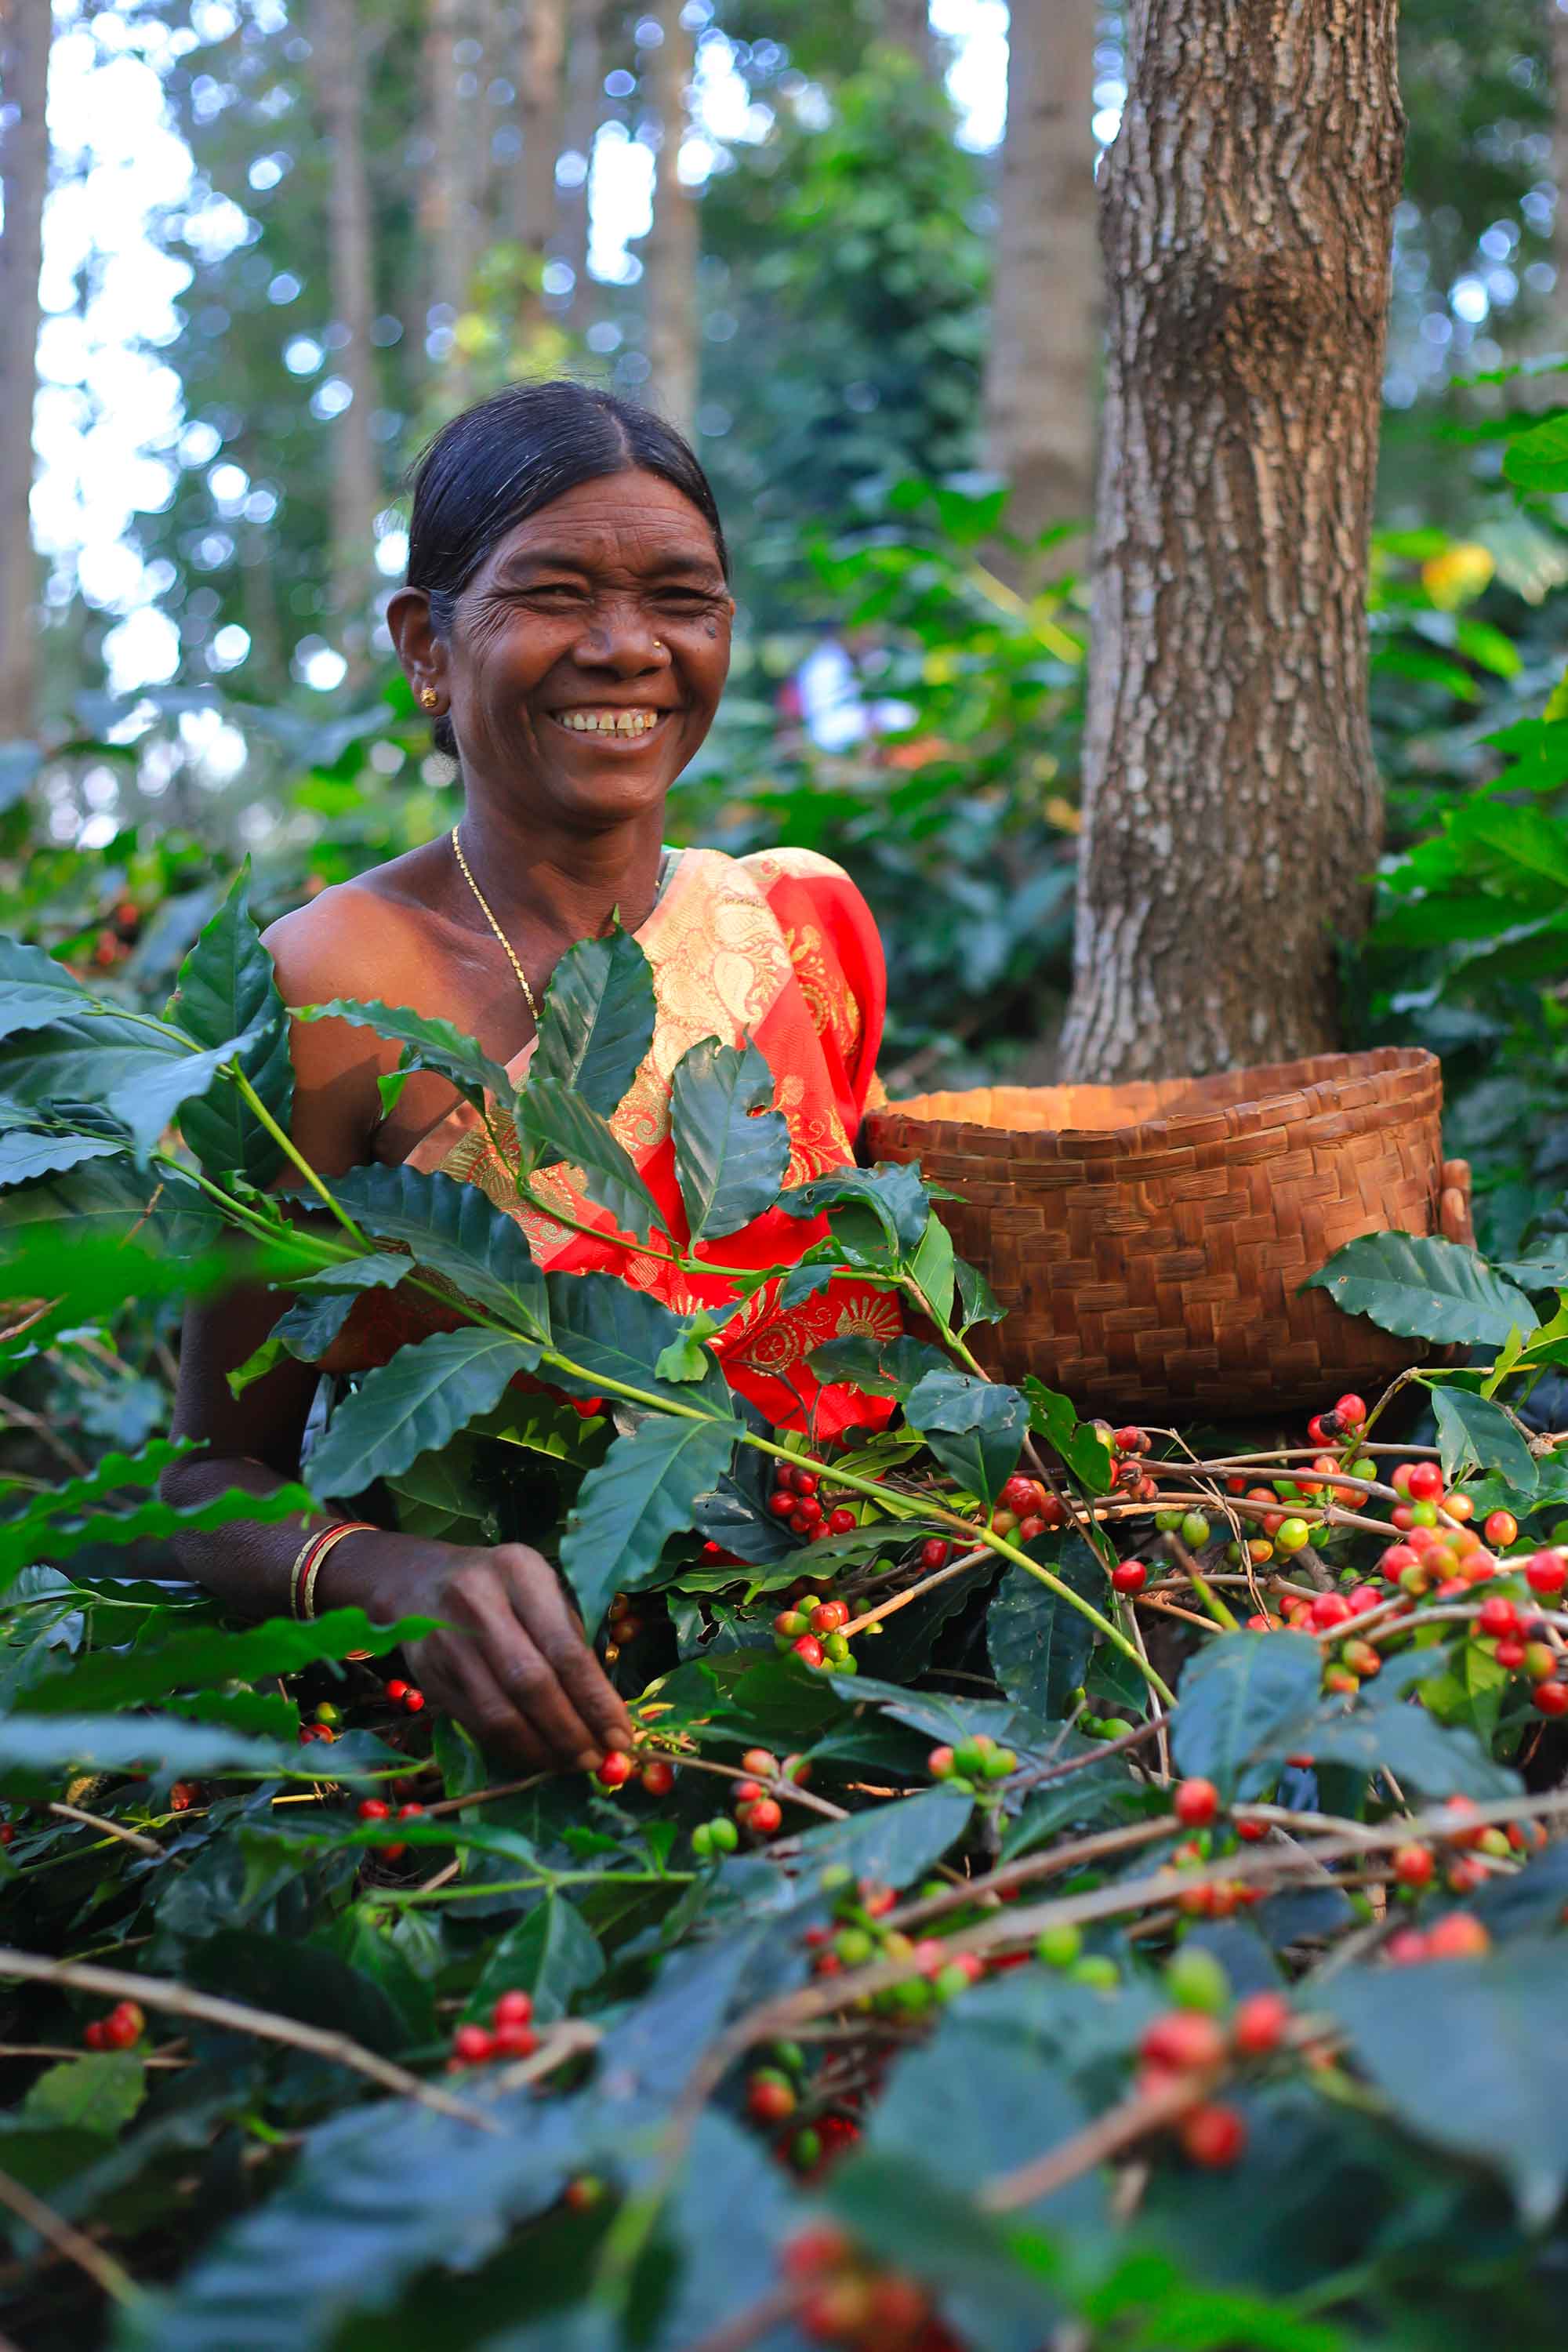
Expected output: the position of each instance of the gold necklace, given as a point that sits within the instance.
(485, 911)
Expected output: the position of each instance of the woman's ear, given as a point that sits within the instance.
(419, 649)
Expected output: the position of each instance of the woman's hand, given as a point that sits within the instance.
(515, 1669)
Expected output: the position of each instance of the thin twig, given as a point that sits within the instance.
(486, 1796)
(55, 2230)
(239, 2017)
(111, 1829)
(1120, 2126)
(1045, 1774)
(49, 2050)
(791, 1790)
(915, 1591)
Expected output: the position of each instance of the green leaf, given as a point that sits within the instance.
(417, 1403)
(98, 2093)
(1471, 1429)
(228, 988)
(1422, 1288)
(139, 1074)
(307, 1330)
(428, 1043)
(731, 1148)
(977, 1301)
(452, 1229)
(103, 1680)
(298, 1980)
(641, 1494)
(1054, 1418)
(557, 1125)
(33, 989)
(934, 1267)
(1538, 459)
(25, 1154)
(145, 1104)
(975, 1428)
(1544, 1267)
(597, 1021)
(1501, 2092)
(38, 1745)
(891, 1193)
(618, 1335)
(553, 1954)
(1242, 1699)
(891, 1844)
(1039, 1645)
(38, 1534)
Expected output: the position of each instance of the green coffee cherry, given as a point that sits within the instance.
(1115, 1726)
(999, 1763)
(1097, 1968)
(724, 1834)
(854, 1947)
(1292, 1535)
(1195, 1530)
(950, 1982)
(1167, 1521)
(702, 1840)
(1058, 1946)
(1195, 1979)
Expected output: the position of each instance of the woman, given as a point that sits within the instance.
(566, 623)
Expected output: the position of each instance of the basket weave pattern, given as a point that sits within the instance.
(1147, 1241)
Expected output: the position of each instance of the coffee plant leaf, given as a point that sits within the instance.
(936, 1714)
(882, 1367)
(557, 1125)
(35, 1746)
(891, 1193)
(731, 1146)
(227, 987)
(37, 1535)
(1501, 2094)
(892, 1844)
(146, 1102)
(103, 1680)
(1420, 1286)
(1242, 1701)
(452, 1229)
(1038, 1644)
(975, 1428)
(897, 2207)
(933, 1268)
(1054, 1418)
(414, 1403)
(1404, 1739)
(297, 1980)
(616, 1335)
(1538, 459)
(977, 1302)
(718, 2246)
(35, 989)
(1543, 1266)
(640, 1494)
(553, 1954)
(1474, 1431)
(597, 1019)
(307, 1330)
(98, 2092)
(428, 1043)
(26, 1154)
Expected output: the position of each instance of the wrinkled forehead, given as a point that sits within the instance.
(633, 524)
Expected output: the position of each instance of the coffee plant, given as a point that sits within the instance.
(1073, 1886)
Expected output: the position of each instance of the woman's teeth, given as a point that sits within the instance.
(610, 722)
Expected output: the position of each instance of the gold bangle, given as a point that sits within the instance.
(301, 1556)
(324, 1544)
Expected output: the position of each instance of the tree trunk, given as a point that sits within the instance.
(671, 251)
(356, 475)
(1045, 315)
(1231, 808)
(1557, 56)
(25, 26)
(584, 102)
(907, 24)
(446, 207)
(541, 60)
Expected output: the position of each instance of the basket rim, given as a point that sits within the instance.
(1413, 1066)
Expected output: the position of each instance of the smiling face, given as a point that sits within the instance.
(587, 655)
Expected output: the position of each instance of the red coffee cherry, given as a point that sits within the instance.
(764, 1818)
(1413, 1865)
(124, 2026)
(1195, 1803)
(514, 2008)
(1550, 1698)
(1260, 2024)
(1212, 2135)
(1183, 2042)
(397, 1691)
(840, 1520)
(1351, 1412)
(1425, 1482)
(658, 1775)
(934, 1552)
(616, 1770)
(473, 2045)
(1546, 1574)
(374, 1809)
(1130, 1576)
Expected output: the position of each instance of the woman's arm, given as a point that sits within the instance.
(513, 1666)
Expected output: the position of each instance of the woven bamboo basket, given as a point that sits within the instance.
(1148, 1241)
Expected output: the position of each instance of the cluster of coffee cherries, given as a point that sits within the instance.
(1128, 1447)
(1192, 2047)
(1027, 1508)
(756, 1808)
(655, 1774)
(376, 1809)
(327, 1724)
(797, 1501)
(622, 1624)
(775, 2094)
(122, 2030)
(509, 2034)
(973, 1765)
(859, 1937)
(1196, 1803)
(850, 2299)
(812, 1627)
(1471, 1851)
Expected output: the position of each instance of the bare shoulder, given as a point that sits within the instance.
(375, 936)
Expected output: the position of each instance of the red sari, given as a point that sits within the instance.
(780, 948)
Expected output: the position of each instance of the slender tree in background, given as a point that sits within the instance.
(1557, 57)
(585, 97)
(670, 252)
(1231, 807)
(541, 63)
(447, 217)
(338, 60)
(25, 26)
(907, 24)
(1044, 350)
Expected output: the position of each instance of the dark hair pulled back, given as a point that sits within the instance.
(500, 461)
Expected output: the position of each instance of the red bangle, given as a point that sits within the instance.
(308, 1566)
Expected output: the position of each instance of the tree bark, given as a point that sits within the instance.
(907, 24)
(1232, 811)
(1044, 350)
(25, 28)
(446, 218)
(1557, 56)
(356, 475)
(541, 59)
(584, 102)
(671, 251)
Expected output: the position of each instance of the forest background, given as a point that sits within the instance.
(284, 242)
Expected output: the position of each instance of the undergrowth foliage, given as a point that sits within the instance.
(1074, 1885)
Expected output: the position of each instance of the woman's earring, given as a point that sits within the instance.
(428, 697)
